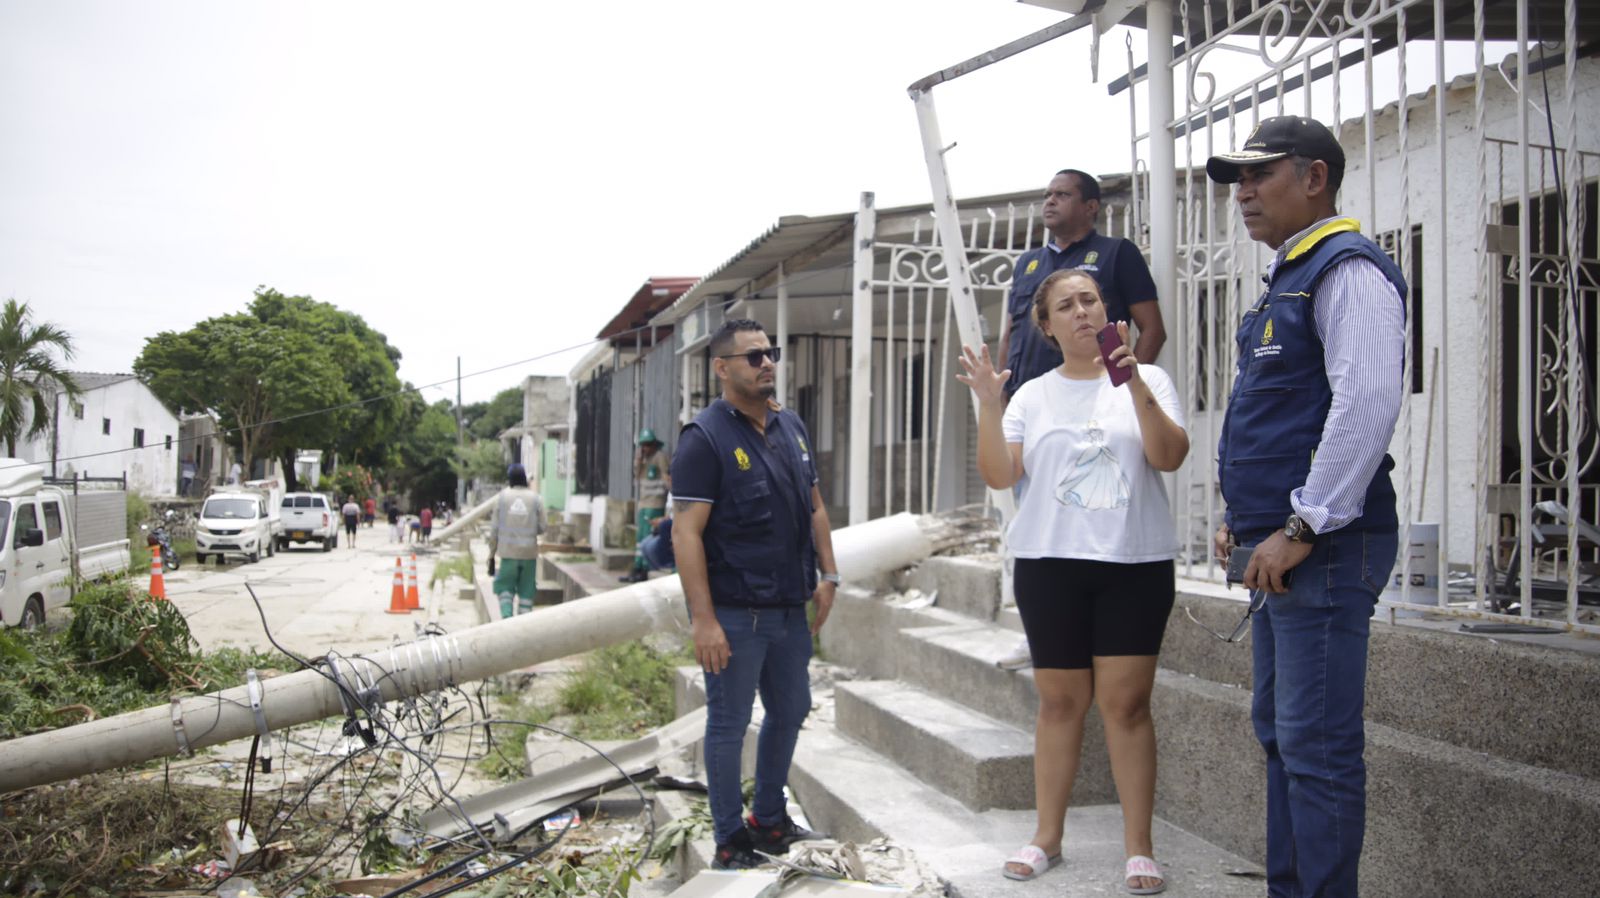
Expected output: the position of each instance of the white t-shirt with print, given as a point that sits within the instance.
(1087, 491)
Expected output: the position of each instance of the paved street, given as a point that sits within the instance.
(314, 600)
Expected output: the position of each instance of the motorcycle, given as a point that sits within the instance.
(159, 537)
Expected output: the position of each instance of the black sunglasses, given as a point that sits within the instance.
(755, 356)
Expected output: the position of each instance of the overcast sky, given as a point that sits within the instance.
(489, 180)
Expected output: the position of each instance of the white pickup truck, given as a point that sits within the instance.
(48, 535)
(307, 518)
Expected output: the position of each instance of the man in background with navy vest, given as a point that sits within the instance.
(751, 536)
(1305, 474)
(1071, 206)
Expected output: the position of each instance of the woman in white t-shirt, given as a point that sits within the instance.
(1094, 544)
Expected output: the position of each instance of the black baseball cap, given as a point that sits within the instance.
(1277, 138)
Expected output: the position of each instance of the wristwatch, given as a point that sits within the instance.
(1297, 530)
(835, 579)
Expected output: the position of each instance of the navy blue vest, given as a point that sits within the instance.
(1030, 354)
(759, 548)
(1281, 396)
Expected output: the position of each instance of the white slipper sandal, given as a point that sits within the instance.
(1032, 857)
(1139, 865)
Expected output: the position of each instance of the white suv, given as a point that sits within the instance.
(233, 523)
(306, 518)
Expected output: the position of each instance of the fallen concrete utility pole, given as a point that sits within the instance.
(426, 665)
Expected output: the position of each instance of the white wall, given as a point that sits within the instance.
(1456, 260)
(128, 404)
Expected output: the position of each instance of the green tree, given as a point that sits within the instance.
(425, 449)
(28, 372)
(481, 460)
(499, 413)
(367, 365)
(268, 385)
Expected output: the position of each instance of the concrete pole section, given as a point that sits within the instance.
(457, 525)
(427, 665)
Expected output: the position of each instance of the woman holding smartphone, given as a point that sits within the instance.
(1094, 543)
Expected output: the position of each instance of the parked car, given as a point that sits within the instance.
(48, 535)
(307, 518)
(234, 521)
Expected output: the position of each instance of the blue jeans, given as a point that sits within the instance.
(1310, 661)
(771, 649)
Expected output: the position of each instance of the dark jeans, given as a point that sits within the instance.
(1310, 659)
(771, 649)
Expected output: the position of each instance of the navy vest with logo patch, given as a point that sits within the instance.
(759, 549)
(1281, 396)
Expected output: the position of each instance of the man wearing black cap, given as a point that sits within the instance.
(1305, 475)
(518, 519)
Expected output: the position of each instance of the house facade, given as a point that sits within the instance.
(115, 427)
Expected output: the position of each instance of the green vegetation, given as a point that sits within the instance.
(283, 376)
(620, 692)
(459, 565)
(486, 420)
(122, 652)
(27, 370)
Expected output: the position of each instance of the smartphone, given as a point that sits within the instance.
(1239, 560)
(1109, 340)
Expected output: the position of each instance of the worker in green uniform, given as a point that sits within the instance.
(652, 472)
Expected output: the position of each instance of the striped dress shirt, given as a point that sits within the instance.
(1361, 320)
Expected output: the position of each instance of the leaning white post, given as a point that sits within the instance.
(1164, 183)
(783, 330)
(860, 438)
(962, 300)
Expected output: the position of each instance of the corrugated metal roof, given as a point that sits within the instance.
(652, 296)
(94, 380)
(795, 233)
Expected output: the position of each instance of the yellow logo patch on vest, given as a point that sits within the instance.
(1091, 258)
(1266, 335)
(1033, 265)
(743, 458)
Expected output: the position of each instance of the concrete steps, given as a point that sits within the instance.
(968, 756)
(1481, 770)
(854, 792)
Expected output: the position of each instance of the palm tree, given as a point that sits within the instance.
(28, 372)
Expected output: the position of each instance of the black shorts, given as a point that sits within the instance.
(350, 522)
(1075, 610)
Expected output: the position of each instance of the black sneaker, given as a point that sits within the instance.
(739, 854)
(777, 837)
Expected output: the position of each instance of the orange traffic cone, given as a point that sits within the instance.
(413, 600)
(397, 596)
(158, 588)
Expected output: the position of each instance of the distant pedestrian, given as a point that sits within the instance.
(352, 517)
(186, 481)
(393, 512)
(426, 519)
(652, 471)
(515, 523)
(235, 473)
(370, 512)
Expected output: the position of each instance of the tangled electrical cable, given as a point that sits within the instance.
(419, 727)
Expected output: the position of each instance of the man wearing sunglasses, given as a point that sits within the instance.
(753, 544)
